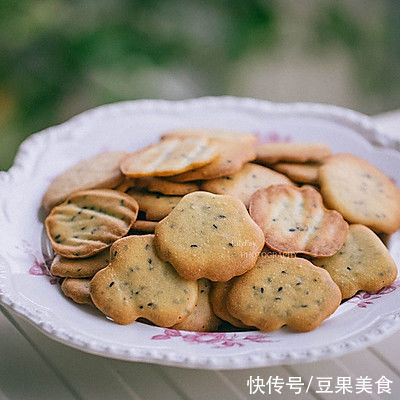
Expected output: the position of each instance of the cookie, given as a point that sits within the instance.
(233, 154)
(209, 236)
(294, 220)
(272, 153)
(218, 296)
(137, 283)
(89, 221)
(98, 172)
(169, 157)
(77, 289)
(360, 192)
(210, 133)
(144, 226)
(202, 319)
(79, 267)
(155, 206)
(162, 185)
(245, 182)
(363, 263)
(281, 291)
(302, 173)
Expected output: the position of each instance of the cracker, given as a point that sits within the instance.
(137, 283)
(218, 297)
(155, 206)
(360, 192)
(169, 157)
(283, 291)
(162, 185)
(202, 319)
(210, 133)
(233, 154)
(245, 182)
(209, 236)
(363, 263)
(77, 289)
(294, 220)
(89, 221)
(271, 153)
(79, 267)
(302, 173)
(144, 226)
(98, 172)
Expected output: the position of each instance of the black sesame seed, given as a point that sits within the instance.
(262, 290)
(112, 283)
(150, 260)
(115, 253)
(140, 307)
(348, 268)
(298, 283)
(193, 245)
(292, 230)
(57, 237)
(315, 280)
(280, 288)
(278, 298)
(215, 226)
(221, 216)
(122, 202)
(202, 291)
(92, 216)
(230, 244)
(283, 272)
(150, 304)
(69, 202)
(304, 306)
(83, 228)
(269, 279)
(147, 246)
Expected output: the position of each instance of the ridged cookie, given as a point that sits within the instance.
(137, 284)
(77, 289)
(360, 192)
(294, 220)
(281, 291)
(89, 221)
(209, 236)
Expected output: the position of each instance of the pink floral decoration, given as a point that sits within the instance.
(273, 137)
(217, 339)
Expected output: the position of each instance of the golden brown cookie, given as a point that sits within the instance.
(202, 319)
(77, 289)
(162, 185)
(302, 173)
(363, 263)
(144, 226)
(271, 153)
(360, 192)
(98, 172)
(294, 220)
(209, 236)
(156, 206)
(245, 182)
(89, 221)
(79, 267)
(218, 298)
(137, 283)
(281, 291)
(169, 157)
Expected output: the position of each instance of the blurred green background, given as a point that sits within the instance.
(60, 57)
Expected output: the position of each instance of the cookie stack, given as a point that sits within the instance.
(210, 227)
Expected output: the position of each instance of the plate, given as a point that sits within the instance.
(365, 319)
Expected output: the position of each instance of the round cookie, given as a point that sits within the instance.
(360, 192)
(302, 173)
(210, 133)
(79, 267)
(294, 220)
(202, 319)
(245, 182)
(162, 185)
(89, 221)
(77, 289)
(137, 284)
(144, 226)
(363, 263)
(169, 157)
(98, 172)
(209, 236)
(281, 291)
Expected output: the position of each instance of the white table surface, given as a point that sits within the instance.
(32, 366)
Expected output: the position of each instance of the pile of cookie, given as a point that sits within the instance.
(206, 228)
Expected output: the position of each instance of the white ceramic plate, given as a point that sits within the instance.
(362, 321)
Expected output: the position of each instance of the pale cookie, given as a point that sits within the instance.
(218, 297)
(210, 133)
(245, 182)
(202, 319)
(137, 283)
(77, 289)
(283, 291)
(169, 157)
(144, 226)
(302, 173)
(89, 221)
(363, 263)
(271, 153)
(155, 206)
(79, 267)
(294, 220)
(161, 185)
(209, 236)
(360, 192)
(98, 172)
(233, 154)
